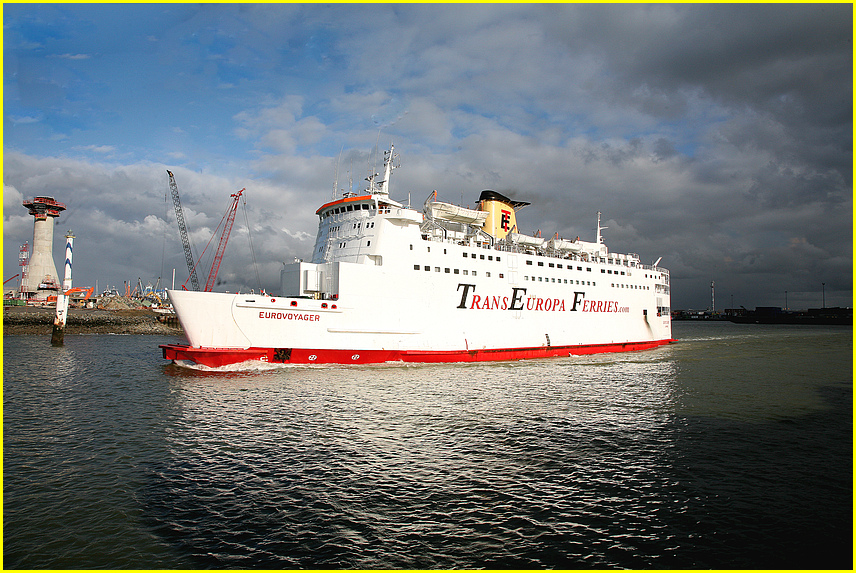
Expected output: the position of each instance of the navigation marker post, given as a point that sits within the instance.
(62, 298)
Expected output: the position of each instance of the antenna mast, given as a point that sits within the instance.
(599, 229)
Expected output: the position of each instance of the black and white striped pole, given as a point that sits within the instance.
(62, 298)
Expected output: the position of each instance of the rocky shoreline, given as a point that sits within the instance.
(19, 320)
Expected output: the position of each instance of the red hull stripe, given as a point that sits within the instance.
(217, 357)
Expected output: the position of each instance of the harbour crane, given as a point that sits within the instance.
(229, 219)
(182, 228)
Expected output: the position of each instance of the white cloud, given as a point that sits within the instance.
(74, 56)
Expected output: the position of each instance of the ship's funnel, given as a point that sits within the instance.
(500, 213)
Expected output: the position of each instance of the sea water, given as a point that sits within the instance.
(729, 449)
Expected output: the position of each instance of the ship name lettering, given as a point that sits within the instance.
(517, 298)
(489, 302)
(545, 304)
(464, 295)
(578, 298)
(602, 306)
(518, 301)
(289, 316)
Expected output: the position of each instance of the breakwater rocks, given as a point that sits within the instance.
(29, 320)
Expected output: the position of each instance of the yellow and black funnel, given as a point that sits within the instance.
(500, 213)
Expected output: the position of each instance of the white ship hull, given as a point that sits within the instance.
(382, 288)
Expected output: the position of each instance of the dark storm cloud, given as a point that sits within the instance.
(716, 136)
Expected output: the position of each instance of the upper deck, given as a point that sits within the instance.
(365, 227)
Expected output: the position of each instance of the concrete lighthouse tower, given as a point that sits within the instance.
(42, 279)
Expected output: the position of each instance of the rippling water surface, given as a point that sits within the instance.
(730, 449)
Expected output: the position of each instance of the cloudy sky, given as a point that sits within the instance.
(718, 137)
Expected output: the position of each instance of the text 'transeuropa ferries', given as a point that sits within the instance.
(442, 284)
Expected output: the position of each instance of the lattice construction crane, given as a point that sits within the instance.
(182, 228)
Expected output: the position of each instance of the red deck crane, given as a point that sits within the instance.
(229, 217)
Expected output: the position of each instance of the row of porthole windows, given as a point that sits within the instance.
(560, 281)
(344, 244)
(635, 287)
(482, 257)
(448, 270)
(470, 255)
(559, 265)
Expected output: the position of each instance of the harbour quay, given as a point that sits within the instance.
(25, 320)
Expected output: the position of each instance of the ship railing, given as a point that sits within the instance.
(656, 269)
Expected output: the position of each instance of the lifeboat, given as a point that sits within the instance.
(564, 245)
(526, 240)
(457, 214)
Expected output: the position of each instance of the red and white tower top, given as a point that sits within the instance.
(44, 207)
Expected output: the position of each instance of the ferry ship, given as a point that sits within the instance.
(444, 283)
